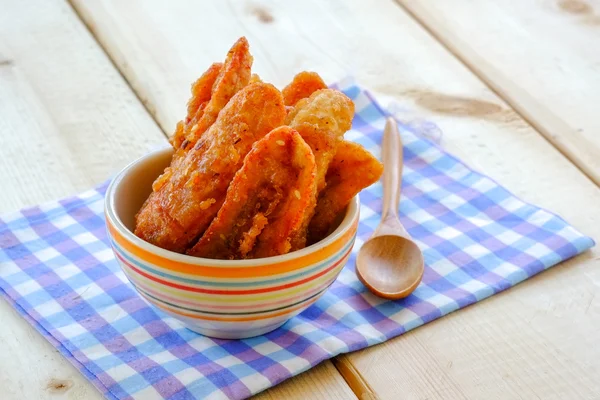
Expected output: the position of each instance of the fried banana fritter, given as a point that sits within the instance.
(201, 93)
(233, 76)
(266, 202)
(255, 78)
(189, 194)
(204, 106)
(352, 169)
(321, 120)
(302, 86)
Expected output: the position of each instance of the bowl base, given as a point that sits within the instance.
(234, 334)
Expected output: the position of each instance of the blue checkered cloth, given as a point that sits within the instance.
(58, 271)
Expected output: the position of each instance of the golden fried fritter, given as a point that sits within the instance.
(189, 194)
(352, 169)
(233, 76)
(255, 78)
(302, 86)
(201, 93)
(210, 93)
(179, 136)
(266, 201)
(321, 120)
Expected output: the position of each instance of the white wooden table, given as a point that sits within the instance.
(87, 86)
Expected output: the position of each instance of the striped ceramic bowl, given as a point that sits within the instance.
(219, 298)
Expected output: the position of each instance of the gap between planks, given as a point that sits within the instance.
(354, 378)
(531, 111)
(92, 32)
(344, 367)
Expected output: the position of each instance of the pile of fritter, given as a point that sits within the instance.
(256, 172)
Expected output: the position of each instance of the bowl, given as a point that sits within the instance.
(229, 299)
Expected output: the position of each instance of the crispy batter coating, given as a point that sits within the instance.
(225, 80)
(352, 169)
(266, 201)
(255, 78)
(321, 120)
(233, 76)
(201, 93)
(302, 86)
(178, 136)
(189, 194)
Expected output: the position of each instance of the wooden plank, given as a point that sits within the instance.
(534, 340)
(321, 382)
(542, 57)
(68, 121)
(65, 126)
(68, 118)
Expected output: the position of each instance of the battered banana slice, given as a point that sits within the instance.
(233, 76)
(210, 93)
(321, 120)
(303, 85)
(266, 201)
(201, 94)
(187, 197)
(352, 169)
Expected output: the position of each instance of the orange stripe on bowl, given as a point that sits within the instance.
(196, 289)
(252, 307)
(232, 272)
(161, 295)
(230, 319)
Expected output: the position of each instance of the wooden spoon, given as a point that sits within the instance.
(390, 264)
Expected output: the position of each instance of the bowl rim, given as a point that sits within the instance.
(352, 214)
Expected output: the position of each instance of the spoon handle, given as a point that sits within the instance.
(392, 169)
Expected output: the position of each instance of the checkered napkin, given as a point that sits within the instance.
(57, 269)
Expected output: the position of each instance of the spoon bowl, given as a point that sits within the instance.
(399, 266)
(390, 264)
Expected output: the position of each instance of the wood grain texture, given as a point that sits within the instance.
(321, 382)
(68, 118)
(534, 340)
(542, 57)
(68, 121)
(161, 48)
